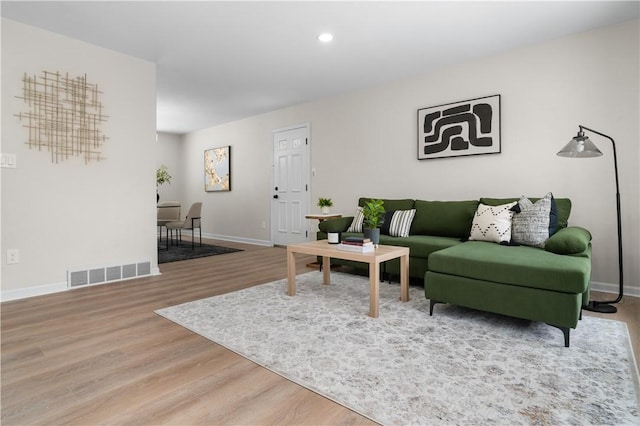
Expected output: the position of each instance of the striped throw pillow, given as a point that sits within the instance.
(398, 223)
(358, 220)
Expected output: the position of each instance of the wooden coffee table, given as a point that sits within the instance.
(327, 251)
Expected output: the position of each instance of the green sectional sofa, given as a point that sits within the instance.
(549, 284)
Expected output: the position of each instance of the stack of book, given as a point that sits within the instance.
(356, 244)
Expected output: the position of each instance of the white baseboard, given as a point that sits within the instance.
(39, 290)
(231, 238)
(614, 289)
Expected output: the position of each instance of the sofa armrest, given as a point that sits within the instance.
(569, 240)
(339, 224)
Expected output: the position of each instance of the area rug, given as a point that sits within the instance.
(459, 366)
(184, 251)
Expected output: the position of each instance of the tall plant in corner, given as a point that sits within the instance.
(373, 212)
(162, 176)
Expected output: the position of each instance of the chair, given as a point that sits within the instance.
(191, 222)
(168, 211)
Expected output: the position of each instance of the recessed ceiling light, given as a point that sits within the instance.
(325, 37)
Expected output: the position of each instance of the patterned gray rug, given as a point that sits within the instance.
(458, 367)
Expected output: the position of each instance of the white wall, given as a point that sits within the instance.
(170, 152)
(239, 213)
(73, 215)
(364, 143)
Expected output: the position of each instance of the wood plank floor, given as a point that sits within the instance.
(99, 355)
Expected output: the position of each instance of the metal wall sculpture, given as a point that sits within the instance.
(463, 128)
(64, 116)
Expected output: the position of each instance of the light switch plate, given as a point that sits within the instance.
(8, 161)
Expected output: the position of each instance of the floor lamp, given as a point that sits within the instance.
(582, 147)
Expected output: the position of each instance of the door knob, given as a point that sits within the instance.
(275, 196)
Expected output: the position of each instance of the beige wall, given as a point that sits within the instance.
(364, 143)
(73, 215)
(170, 153)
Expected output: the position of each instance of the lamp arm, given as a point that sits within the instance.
(615, 157)
(615, 167)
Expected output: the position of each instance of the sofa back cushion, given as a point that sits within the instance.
(390, 205)
(563, 207)
(444, 218)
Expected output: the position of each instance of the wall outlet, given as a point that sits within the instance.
(13, 256)
(264, 225)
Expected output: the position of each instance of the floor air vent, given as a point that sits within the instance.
(107, 274)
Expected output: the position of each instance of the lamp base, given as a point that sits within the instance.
(604, 308)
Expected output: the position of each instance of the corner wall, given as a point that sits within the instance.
(364, 143)
(73, 215)
(170, 154)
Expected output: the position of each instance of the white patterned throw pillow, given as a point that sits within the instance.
(358, 220)
(530, 226)
(492, 223)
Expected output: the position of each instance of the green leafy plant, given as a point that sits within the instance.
(325, 202)
(162, 175)
(373, 211)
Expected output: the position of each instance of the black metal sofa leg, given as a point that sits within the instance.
(566, 331)
(432, 303)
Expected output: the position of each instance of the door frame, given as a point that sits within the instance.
(302, 125)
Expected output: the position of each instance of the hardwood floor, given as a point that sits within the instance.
(99, 355)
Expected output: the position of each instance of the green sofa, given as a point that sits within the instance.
(549, 284)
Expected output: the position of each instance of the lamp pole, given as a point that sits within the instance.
(604, 306)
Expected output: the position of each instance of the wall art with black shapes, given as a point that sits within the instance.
(462, 128)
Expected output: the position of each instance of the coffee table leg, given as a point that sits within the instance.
(404, 278)
(326, 270)
(291, 273)
(374, 289)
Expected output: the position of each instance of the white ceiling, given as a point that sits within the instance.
(223, 61)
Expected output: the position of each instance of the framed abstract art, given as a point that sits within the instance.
(458, 129)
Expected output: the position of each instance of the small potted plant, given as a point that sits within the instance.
(324, 204)
(373, 212)
(162, 176)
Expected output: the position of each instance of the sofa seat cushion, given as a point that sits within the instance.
(517, 265)
(419, 245)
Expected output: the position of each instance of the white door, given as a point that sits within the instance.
(290, 185)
